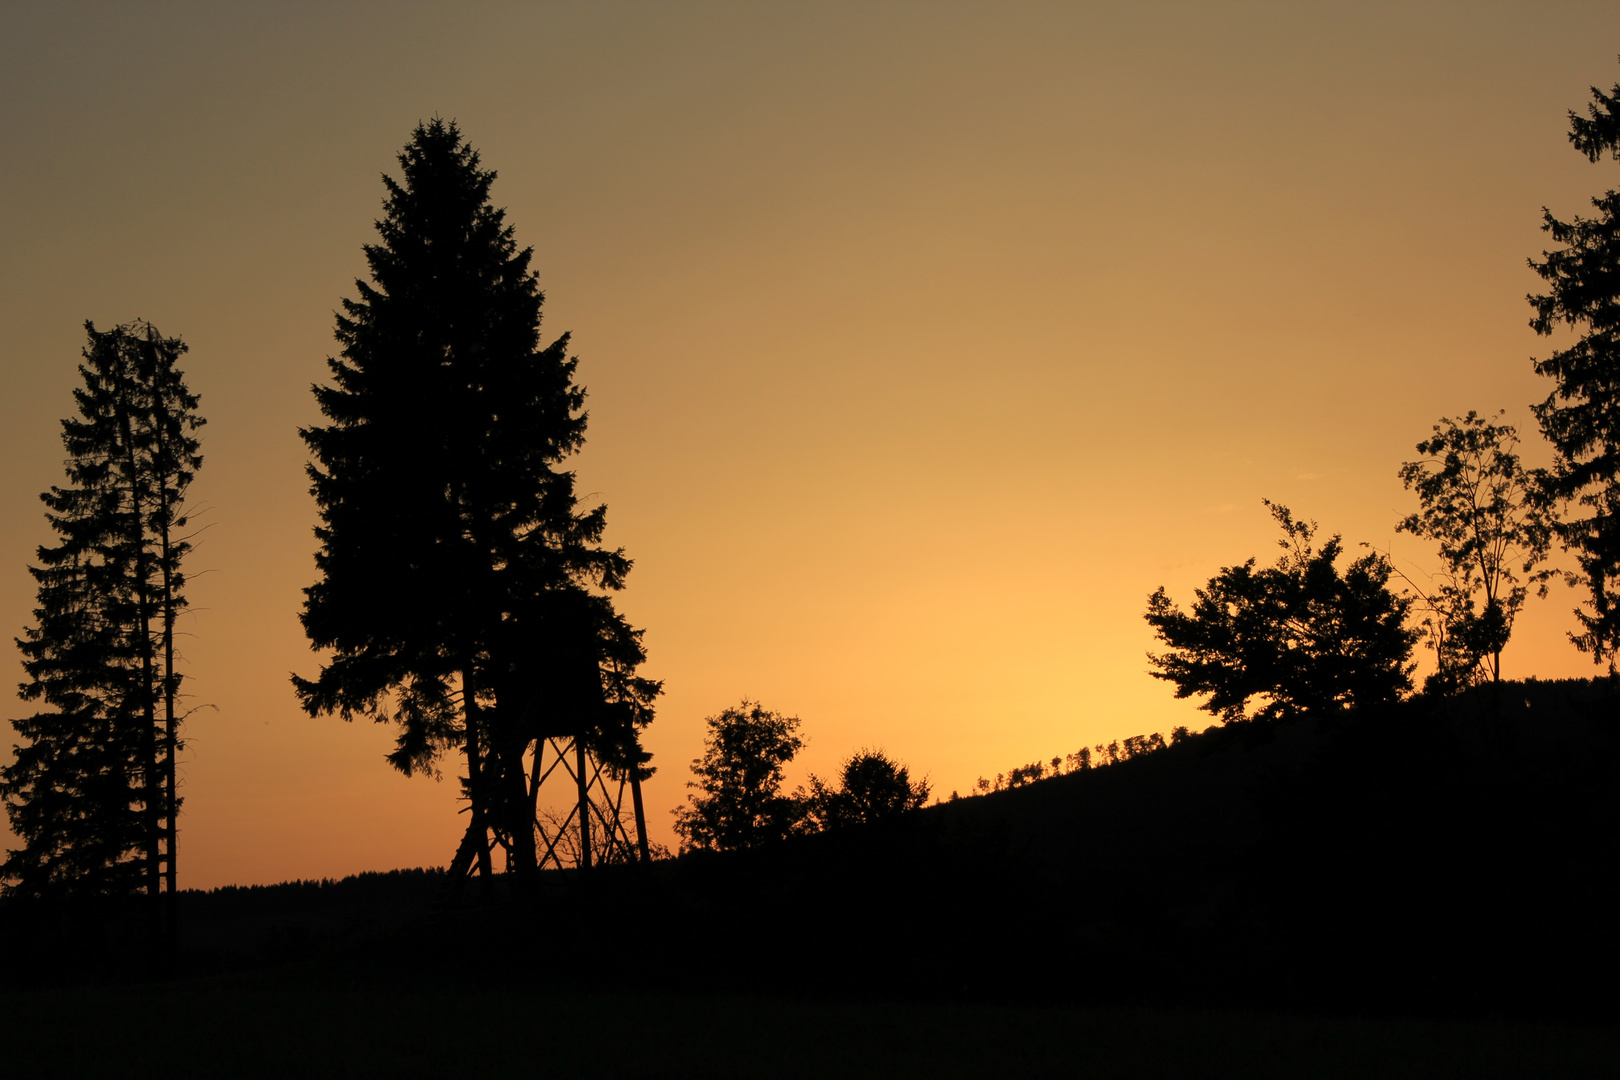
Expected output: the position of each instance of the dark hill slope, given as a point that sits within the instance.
(1456, 856)
(1452, 856)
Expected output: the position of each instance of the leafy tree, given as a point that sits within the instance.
(1298, 637)
(1492, 523)
(739, 803)
(1021, 775)
(871, 787)
(462, 589)
(92, 794)
(1581, 417)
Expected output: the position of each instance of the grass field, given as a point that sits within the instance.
(303, 1021)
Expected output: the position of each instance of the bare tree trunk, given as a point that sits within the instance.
(151, 778)
(171, 795)
(456, 878)
(152, 767)
(477, 789)
(510, 781)
(535, 772)
(171, 687)
(519, 808)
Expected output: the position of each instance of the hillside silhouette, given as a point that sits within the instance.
(1438, 857)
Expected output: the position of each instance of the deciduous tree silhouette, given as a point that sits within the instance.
(871, 787)
(739, 801)
(1492, 523)
(1581, 417)
(462, 588)
(1298, 637)
(93, 795)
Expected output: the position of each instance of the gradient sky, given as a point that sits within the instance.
(923, 341)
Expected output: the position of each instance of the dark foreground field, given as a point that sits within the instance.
(1429, 891)
(304, 1021)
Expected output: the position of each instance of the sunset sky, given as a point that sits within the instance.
(923, 341)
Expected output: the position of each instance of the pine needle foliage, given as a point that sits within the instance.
(1581, 417)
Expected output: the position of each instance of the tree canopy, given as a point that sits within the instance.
(871, 787)
(739, 801)
(1295, 638)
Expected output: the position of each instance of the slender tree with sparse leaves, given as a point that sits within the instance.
(92, 794)
(1581, 417)
(1492, 522)
(463, 590)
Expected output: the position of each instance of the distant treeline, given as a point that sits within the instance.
(1087, 757)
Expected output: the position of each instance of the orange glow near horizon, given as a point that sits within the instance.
(922, 342)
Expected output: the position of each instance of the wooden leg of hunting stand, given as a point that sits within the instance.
(584, 808)
(641, 818)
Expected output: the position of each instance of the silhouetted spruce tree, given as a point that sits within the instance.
(92, 794)
(1581, 417)
(1298, 637)
(461, 588)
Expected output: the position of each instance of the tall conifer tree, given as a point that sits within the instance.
(92, 794)
(462, 589)
(1581, 417)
